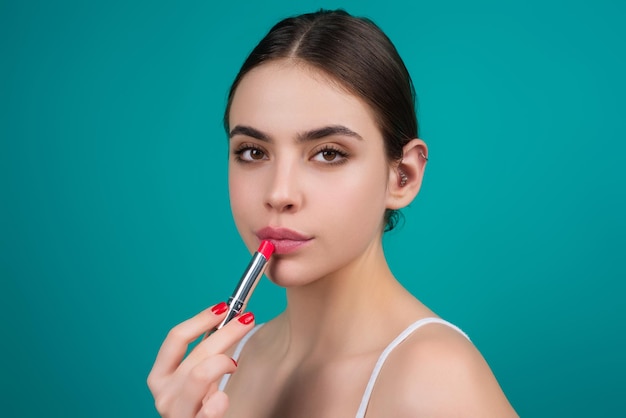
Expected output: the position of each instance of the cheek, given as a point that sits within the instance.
(243, 194)
(356, 198)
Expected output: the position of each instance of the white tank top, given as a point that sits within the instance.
(379, 364)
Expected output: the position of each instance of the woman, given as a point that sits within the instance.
(324, 149)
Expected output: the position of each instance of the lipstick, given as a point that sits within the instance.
(239, 299)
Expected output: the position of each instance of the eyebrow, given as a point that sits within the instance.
(310, 135)
(249, 131)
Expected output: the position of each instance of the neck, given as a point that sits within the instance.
(345, 313)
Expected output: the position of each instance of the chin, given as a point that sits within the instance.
(288, 273)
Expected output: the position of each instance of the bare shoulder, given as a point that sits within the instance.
(438, 372)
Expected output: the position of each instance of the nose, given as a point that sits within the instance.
(284, 194)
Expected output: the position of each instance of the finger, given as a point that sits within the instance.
(224, 338)
(215, 406)
(202, 379)
(175, 345)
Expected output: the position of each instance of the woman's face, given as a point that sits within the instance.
(307, 170)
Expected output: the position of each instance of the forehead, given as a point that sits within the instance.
(289, 95)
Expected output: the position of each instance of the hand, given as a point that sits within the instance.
(188, 387)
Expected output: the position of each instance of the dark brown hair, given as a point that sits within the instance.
(356, 53)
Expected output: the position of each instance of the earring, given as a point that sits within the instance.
(423, 156)
(403, 178)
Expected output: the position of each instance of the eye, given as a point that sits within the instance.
(330, 155)
(249, 153)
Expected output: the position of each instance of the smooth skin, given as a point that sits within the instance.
(187, 386)
(307, 155)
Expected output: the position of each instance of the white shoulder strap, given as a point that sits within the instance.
(237, 353)
(381, 360)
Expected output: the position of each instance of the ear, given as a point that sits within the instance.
(405, 176)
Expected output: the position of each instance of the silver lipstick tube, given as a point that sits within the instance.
(239, 299)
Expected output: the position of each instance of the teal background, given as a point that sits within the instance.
(113, 188)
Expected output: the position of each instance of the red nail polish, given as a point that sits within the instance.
(234, 361)
(220, 308)
(246, 318)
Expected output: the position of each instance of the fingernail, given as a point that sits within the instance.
(234, 361)
(220, 308)
(246, 318)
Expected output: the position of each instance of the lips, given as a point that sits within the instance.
(284, 240)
